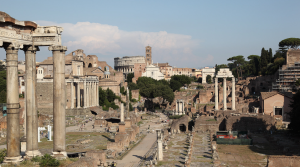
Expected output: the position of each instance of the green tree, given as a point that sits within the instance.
(129, 77)
(122, 90)
(2, 96)
(264, 59)
(175, 85)
(132, 86)
(238, 61)
(208, 79)
(254, 64)
(102, 96)
(290, 43)
(3, 80)
(110, 95)
(270, 55)
(130, 107)
(297, 83)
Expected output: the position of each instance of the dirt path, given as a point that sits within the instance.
(135, 155)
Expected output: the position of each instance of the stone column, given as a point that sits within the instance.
(216, 94)
(233, 93)
(224, 94)
(12, 98)
(127, 105)
(122, 112)
(84, 94)
(87, 95)
(31, 109)
(159, 146)
(176, 106)
(72, 95)
(59, 101)
(90, 94)
(78, 94)
(97, 90)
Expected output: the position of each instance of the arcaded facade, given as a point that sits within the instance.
(126, 64)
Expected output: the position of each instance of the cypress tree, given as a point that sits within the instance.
(270, 55)
(263, 57)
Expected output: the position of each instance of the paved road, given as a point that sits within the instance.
(134, 156)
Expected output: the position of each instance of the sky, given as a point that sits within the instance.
(190, 33)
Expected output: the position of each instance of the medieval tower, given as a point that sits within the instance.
(148, 54)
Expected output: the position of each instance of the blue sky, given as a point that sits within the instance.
(184, 33)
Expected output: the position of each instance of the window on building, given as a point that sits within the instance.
(278, 111)
(23, 83)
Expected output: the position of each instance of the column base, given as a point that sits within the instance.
(60, 155)
(13, 160)
(34, 153)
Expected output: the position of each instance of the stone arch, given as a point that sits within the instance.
(182, 127)
(83, 65)
(90, 65)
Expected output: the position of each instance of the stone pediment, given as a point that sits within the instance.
(97, 71)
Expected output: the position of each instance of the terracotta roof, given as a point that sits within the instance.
(265, 95)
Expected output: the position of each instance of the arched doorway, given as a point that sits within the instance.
(182, 127)
(191, 124)
(90, 65)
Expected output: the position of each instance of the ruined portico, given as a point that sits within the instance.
(179, 107)
(27, 35)
(224, 73)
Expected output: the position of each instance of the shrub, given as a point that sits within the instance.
(2, 155)
(48, 160)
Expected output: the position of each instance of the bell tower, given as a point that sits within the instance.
(148, 55)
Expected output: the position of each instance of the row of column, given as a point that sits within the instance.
(89, 96)
(13, 122)
(224, 94)
(126, 69)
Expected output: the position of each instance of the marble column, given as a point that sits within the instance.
(224, 94)
(12, 98)
(59, 101)
(84, 95)
(31, 109)
(78, 94)
(93, 94)
(72, 94)
(216, 94)
(159, 146)
(90, 94)
(97, 94)
(233, 93)
(87, 95)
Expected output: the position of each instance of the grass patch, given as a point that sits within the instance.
(139, 123)
(211, 120)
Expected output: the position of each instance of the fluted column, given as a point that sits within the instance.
(12, 99)
(224, 94)
(84, 94)
(31, 109)
(72, 94)
(233, 93)
(90, 94)
(97, 90)
(59, 100)
(216, 94)
(78, 94)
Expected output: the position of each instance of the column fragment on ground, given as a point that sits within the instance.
(31, 109)
(224, 94)
(13, 122)
(233, 93)
(159, 146)
(59, 101)
(216, 94)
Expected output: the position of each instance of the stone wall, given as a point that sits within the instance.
(280, 161)
(135, 94)
(292, 56)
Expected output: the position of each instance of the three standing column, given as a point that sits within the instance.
(13, 122)
(224, 94)
(31, 109)
(59, 101)
(216, 94)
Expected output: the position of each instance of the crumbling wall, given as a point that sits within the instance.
(280, 161)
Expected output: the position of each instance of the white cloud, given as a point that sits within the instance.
(110, 40)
